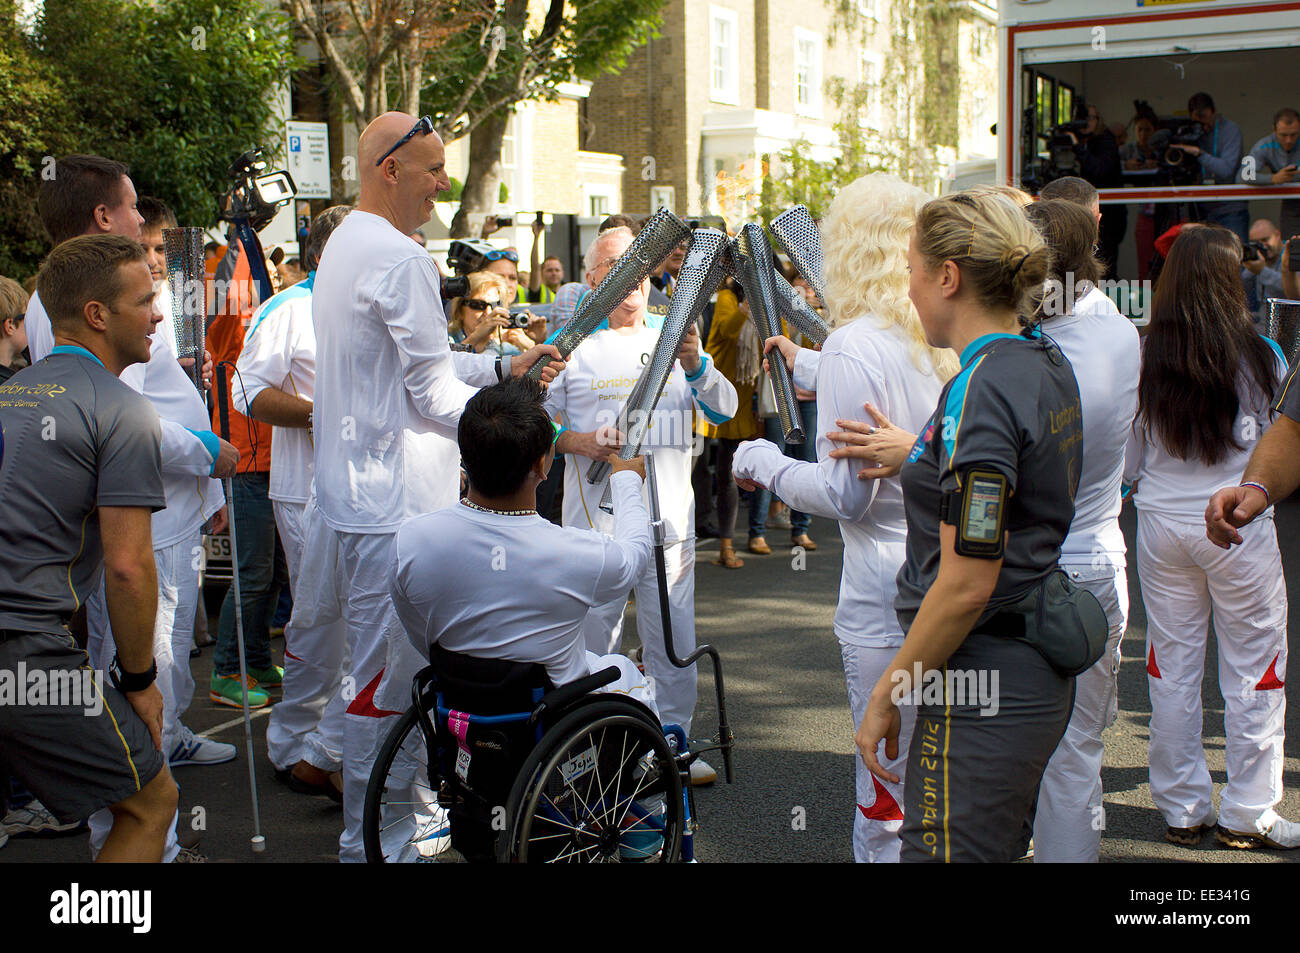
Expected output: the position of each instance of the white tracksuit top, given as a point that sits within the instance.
(515, 587)
(1181, 489)
(192, 494)
(590, 392)
(387, 396)
(280, 353)
(1103, 347)
(859, 362)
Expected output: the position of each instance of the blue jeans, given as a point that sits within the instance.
(806, 451)
(260, 576)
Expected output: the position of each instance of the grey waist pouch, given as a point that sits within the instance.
(1064, 623)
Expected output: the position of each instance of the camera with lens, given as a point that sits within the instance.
(519, 316)
(1062, 154)
(457, 287)
(1176, 166)
(1254, 250)
(255, 194)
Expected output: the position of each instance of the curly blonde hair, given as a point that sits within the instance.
(865, 236)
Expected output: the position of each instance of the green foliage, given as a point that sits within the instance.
(577, 40)
(176, 90)
(911, 109)
(503, 194)
(457, 187)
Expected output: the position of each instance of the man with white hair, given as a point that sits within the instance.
(586, 399)
(388, 399)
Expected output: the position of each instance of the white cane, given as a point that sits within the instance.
(223, 399)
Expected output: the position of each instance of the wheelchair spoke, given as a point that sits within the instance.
(573, 853)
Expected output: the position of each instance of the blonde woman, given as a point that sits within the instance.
(480, 321)
(877, 352)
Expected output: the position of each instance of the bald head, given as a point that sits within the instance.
(404, 186)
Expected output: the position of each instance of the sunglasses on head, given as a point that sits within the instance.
(496, 254)
(423, 127)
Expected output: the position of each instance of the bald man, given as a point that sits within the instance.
(388, 397)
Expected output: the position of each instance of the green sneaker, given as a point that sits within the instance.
(272, 677)
(228, 690)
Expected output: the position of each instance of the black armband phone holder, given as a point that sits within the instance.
(978, 510)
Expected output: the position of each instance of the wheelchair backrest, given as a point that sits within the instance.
(484, 686)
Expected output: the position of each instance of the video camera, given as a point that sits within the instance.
(255, 195)
(1176, 166)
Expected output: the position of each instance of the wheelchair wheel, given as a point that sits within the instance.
(402, 821)
(602, 786)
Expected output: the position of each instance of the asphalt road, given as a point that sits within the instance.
(792, 800)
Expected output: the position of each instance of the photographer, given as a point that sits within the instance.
(1276, 160)
(1099, 164)
(1219, 153)
(479, 322)
(1141, 156)
(1261, 274)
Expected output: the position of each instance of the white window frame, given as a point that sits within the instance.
(874, 103)
(869, 9)
(665, 195)
(813, 108)
(729, 93)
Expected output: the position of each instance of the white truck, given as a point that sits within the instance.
(1109, 53)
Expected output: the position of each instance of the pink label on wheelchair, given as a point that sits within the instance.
(458, 722)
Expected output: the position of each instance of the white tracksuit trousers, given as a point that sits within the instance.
(178, 599)
(307, 724)
(674, 688)
(383, 662)
(1070, 816)
(1185, 577)
(879, 814)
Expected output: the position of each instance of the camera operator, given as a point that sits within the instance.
(1099, 164)
(1219, 153)
(1276, 160)
(1261, 272)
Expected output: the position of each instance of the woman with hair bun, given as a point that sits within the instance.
(995, 632)
(876, 352)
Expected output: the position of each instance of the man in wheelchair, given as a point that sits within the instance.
(496, 596)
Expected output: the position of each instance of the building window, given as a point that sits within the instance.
(508, 144)
(724, 73)
(868, 9)
(599, 205)
(807, 73)
(665, 196)
(869, 80)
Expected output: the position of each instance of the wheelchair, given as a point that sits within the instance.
(493, 763)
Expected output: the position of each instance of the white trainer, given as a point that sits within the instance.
(1270, 831)
(193, 750)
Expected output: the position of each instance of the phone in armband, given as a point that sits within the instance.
(981, 514)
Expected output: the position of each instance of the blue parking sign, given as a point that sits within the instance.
(295, 144)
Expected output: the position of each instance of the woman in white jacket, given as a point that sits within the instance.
(1208, 381)
(876, 354)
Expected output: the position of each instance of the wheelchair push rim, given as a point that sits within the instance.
(603, 786)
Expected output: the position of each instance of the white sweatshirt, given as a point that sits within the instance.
(515, 587)
(590, 392)
(388, 398)
(859, 362)
(1103, 347)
